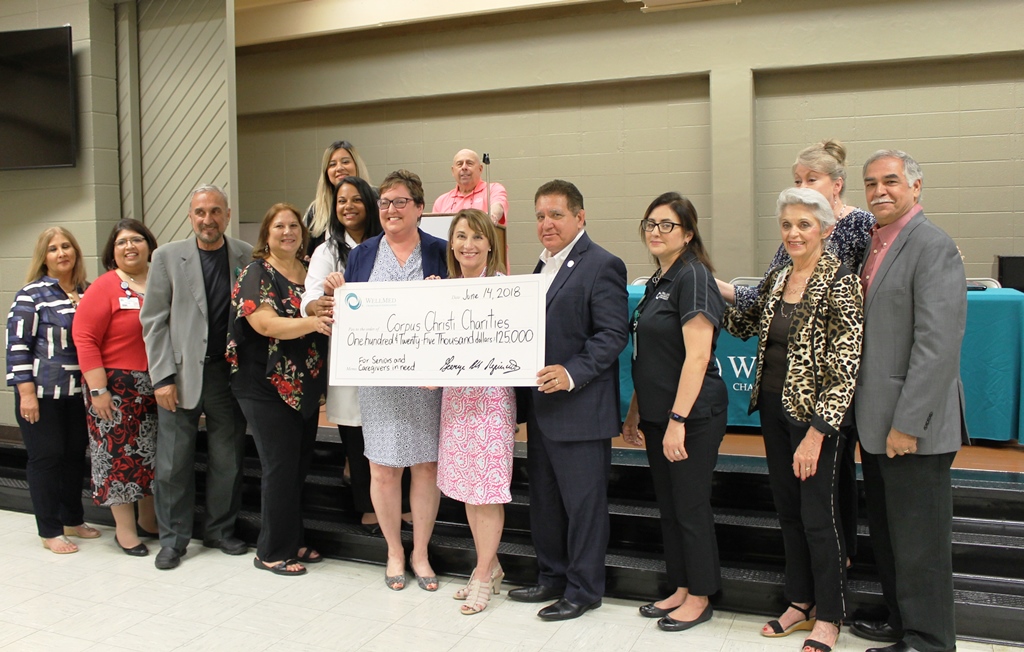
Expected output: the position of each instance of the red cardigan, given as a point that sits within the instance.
(105, 334)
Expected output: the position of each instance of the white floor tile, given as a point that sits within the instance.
(336, 632)
(400, 637)
(49, 641)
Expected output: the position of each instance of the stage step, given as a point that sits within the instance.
(988, 538)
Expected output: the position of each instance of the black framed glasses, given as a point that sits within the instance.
(399, 203)
(664, 227)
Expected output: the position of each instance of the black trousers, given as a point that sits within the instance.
(849, 499)
(683, 490)
(284, 440)
(910, 512)
(809, 512)
(569, 512)
(359, 471)
(174, 483)
(56, 462)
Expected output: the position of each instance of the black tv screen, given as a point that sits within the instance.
(37, 99)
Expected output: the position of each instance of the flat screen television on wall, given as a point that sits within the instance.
(37, 99)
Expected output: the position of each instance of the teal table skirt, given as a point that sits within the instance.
(991, 361)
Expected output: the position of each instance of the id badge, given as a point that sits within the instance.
(129, 303)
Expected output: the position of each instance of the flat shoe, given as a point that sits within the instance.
(144, 533)
(669, 624)
(83, 531)
(280, 568)
(49, 543)
(308, 558)
(139, 550)
(650, 611)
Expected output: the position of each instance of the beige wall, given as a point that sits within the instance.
(622, 145)
(85, 199)
(762, 66)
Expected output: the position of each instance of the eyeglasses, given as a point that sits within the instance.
(399, 203)
(664, 227)
(123, 242)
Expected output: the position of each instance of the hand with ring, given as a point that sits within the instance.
(553, 378)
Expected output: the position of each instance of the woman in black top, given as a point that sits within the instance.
(679, 405)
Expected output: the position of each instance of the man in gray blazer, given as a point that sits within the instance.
(909, 406)
(184, 324)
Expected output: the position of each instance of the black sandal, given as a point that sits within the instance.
(280, 568)
(807, 624)
(818, 645)
(308, 558)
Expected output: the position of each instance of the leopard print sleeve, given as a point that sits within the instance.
(844, 336)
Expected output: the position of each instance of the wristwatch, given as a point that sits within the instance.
(98, 392)
(676, 417)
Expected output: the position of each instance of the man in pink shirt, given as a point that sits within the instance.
(470, 190)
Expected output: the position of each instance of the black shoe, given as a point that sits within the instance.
(565, 610)
(895, 647)
(145, 534)
(537, 593)
(875, 630)
(135, 551)
(650, 611)
(406, 526)
(373, 529)
(228, 545)
(669, 624)
(168, 558)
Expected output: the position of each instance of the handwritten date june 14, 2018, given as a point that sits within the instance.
(492, 366)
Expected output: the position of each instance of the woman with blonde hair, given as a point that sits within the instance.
(42, 363)
(340, 160)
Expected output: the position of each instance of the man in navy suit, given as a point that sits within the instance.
(573, 413)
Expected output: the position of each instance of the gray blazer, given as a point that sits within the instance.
(914, 319)
(174, 314)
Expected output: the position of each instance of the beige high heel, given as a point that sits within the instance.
(463, 593)
(480, 595)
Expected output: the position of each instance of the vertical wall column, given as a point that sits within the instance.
(734, 228)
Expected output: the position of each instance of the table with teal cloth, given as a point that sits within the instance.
(991, 361)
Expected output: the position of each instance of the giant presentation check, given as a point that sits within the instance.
(454, 332)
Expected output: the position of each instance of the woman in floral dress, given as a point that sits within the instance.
(279, 376)
(121, 409)
(474, 458)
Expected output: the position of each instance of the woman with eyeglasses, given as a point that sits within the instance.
(679, 405)
(121, 407)
(340, 160)
(401, 424)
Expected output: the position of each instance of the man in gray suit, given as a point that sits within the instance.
(909, 407)
(184, 324)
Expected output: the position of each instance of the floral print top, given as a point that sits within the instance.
(295, 370)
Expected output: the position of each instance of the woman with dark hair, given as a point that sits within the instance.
(278, 364)
(354, 218)
(679, 405)
(340, 160)
(400, 424)
(43, 364)
(809, 323)
(474, 459)
(121, 407)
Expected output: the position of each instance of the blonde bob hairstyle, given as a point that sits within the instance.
(262, 250)
(827, 157)
(478, 222)
(37, 268)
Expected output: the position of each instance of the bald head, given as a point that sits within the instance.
(467, 170)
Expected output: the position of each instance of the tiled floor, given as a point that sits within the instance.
(101, 599)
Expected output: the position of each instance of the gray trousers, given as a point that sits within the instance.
(174, 486)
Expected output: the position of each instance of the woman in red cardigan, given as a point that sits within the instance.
(121, 407)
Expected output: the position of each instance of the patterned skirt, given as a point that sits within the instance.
(123, 450)
(474, 458)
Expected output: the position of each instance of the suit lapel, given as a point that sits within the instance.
(568, 266)
(891, 256)
(192, 270)
(236, 260)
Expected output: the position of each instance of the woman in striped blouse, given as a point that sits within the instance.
(43, 364)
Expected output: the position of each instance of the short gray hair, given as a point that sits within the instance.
(810, 198)
(208, 187)
(911, 168)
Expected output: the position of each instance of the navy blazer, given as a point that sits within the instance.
(434, 252)
(587, 328)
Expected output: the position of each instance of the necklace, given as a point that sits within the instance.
(782, 309)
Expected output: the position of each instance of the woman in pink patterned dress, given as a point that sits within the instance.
(474, 459)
